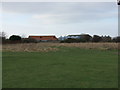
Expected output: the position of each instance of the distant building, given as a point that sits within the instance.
(44, 38)
(73, 36)
(78, 36)
(62, 38)
(82, 37)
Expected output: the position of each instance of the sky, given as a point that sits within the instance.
(59, 18)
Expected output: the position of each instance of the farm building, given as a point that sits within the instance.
(78, 36)
(44, 38)
(73, 36)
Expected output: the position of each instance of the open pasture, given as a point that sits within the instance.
(54, 65)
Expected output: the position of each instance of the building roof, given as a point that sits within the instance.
(79, 35)
(46, 38)
(73, 35)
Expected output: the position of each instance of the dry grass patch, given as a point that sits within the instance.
(32, 47)
(101, 46)
(45, 47)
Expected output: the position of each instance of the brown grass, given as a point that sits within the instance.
(45, 47)
(103, 46)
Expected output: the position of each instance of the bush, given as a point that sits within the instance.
(15, 38)
(116, 39)
(70, 40)
(28, 40)
(106, 39)
(85, 38)
(96, 38)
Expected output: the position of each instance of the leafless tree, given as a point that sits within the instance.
(3, 35)
(23, 36)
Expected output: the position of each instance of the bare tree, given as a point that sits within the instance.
(23, 36)
(3, 35)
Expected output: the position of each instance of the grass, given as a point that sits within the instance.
(45, 47)
(68, 67)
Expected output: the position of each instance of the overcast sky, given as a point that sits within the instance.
(50, 18)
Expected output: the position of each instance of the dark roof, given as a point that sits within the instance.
(79, 35)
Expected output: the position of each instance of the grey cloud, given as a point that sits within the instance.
(65, 12)
(43, 7)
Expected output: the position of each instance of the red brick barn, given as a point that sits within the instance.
(44, 38)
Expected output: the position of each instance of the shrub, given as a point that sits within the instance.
(28, 40)
(96, 38)
(15, 38)
(116, 39)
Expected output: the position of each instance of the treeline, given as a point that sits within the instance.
(88, 38)
(83, 38)
(16, 39)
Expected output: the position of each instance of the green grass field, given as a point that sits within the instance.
(65, 68)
